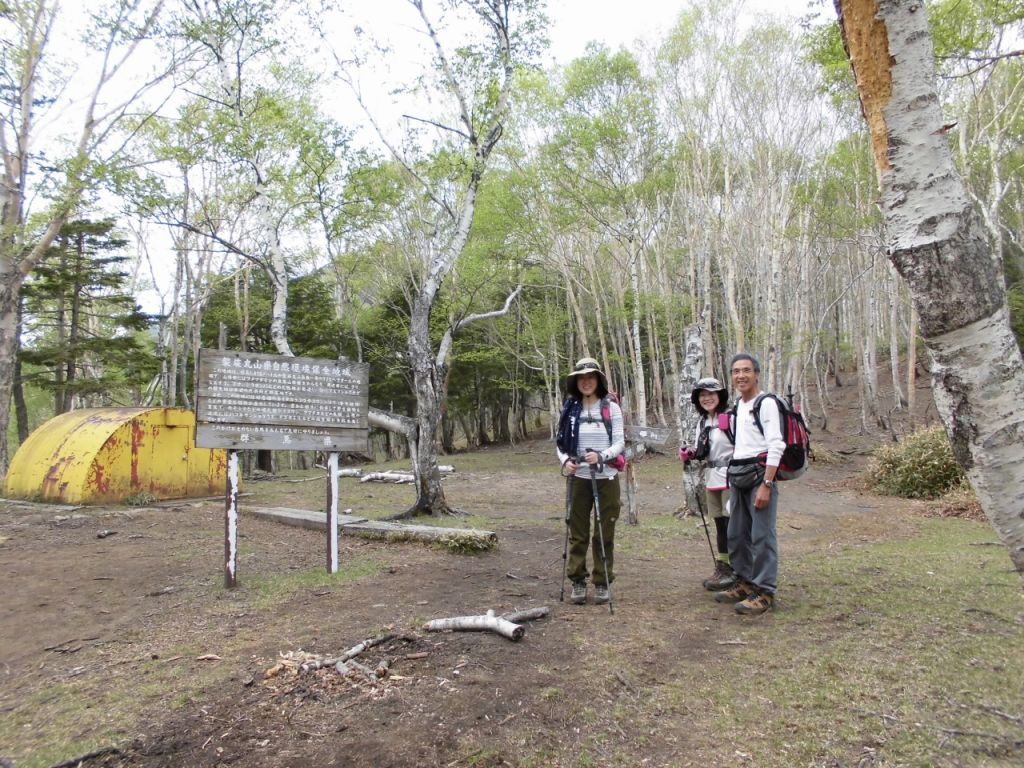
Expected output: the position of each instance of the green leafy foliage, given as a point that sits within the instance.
(1015, 299)
(246, 298)
(921, 466)
(823, 46)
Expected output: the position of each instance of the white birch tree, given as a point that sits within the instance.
(476, 81)
(938, 244)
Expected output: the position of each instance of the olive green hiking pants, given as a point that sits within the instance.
(580, 538)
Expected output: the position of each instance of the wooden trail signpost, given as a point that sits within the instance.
(273, 402)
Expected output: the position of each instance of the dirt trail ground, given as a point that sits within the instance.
(118, 637)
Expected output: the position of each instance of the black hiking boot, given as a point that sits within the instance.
(723, 578)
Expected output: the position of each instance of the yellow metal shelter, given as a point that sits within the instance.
(101, 455)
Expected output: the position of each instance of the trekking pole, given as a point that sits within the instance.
(600, 532)
(700, 508)
(565, 549)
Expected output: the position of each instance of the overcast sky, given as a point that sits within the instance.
(616, 23)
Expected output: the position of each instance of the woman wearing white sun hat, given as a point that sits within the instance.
(589, 442)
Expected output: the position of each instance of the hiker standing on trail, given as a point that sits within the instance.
(713, 445)
(759, 444)
(587, 449)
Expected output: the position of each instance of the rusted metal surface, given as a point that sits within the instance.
(104, 455)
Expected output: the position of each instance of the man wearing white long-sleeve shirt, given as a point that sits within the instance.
(753, 543)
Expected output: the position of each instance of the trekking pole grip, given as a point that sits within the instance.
(599, 467)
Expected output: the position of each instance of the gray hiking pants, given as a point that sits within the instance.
(753, 543)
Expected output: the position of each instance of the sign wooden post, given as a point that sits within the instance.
(231, 523)
(272, 402)
(332, 513)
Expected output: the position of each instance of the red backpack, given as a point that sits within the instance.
(794, 431)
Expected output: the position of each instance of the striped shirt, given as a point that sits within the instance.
(594, 436)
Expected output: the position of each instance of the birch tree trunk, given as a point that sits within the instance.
(479, 127)
(639, 378)
(693, 369)
(939, 245)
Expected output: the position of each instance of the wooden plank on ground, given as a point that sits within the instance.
(372, 529)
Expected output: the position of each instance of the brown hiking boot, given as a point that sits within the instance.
(755, 604)
(741, 590)
(723, 578)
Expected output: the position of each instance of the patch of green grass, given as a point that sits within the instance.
(902, 652)
(551, 694)
(43, 729)
(272, 589)
(655, 536)
(476, 522)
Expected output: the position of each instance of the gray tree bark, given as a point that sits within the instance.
(938, 244)
(693, 369)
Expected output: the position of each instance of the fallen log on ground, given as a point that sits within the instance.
(486, 623)
(526, 614)
(387, 477)
(393, 475)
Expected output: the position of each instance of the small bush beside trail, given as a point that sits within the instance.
(921, 466)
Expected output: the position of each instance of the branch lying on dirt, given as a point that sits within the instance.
(351, 653)
(503, 625)
(527, 614)
(486, 623)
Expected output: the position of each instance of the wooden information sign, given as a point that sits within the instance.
(257, 401)
(272, 402)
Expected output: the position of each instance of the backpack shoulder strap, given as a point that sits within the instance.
(730, 432)
(783, 409)
(606, 416)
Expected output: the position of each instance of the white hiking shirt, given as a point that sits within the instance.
(719, 453)
(749, 440)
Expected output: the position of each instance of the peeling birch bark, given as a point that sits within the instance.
(938, 244)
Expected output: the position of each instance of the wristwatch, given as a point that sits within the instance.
(769, 483)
